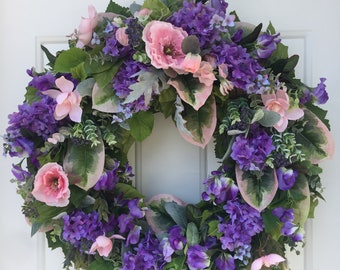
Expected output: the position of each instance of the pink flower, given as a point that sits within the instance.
(122, 37)
(104, 244)
(205, 74)
(86, 27)
(267, 261)
(51, 185)
(279, 102)
(68, 101)
(191, 62)
(143, 14)
(163, 44)
(225, 85)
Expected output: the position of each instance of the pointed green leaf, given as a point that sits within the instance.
(177, 213)
(141, 125)
(301, 205)
(192, 234)
(191, 90)
(85, 87)
(269, 119)
(167, 100)
(51, 58)
(258, 193)
(101, 265)
(117, 9)
(79, 72)
(201, 124)
(104, 99)
(67, 60)
(128, 191)
(105, 77)
(84, 164)
(159, 10)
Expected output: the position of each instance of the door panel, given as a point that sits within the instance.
(172, 167)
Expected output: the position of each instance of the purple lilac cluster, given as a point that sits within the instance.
(243, 69)
(250, 152)
(237, 232)
(126, 76)
(42, 82)
(219, 187)
(134, 31)
(110, 178)
(195, 19)
(146, 256)
(286, 216)
(318, 94)
(81, 229)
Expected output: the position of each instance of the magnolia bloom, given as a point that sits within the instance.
(68, 101)
(267, 261)
(86, 27)
(121, 36)
(56, 137)
(163, 44)
(279, 103)
(104, 244)
(51, 185)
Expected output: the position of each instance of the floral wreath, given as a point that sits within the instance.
(219, 79)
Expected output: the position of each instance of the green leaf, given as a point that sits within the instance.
(271, 29)
(85, 87)
(117, 9)
(177, 213)
(105, 77)
(300, 195)
(200, 124)
(46, 213)
(79, 72)
(77, 195)
(30, 95)
(67, 60)
(252, 37)
(104, 99)
(84, 164)
(141, 125)
(291, 63)
(272, 224)
(257, 192)
(167, 99)
(192, 234)
(51, 58)
(176, 263)
(159, 10)
(213, 228)
(101, 265)
(128, 191)
(269, 119)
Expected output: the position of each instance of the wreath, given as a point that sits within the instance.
(220, 80)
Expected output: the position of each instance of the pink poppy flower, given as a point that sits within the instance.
(51, 185)
(104, 244)
(163, 44)
(279, 102)
(86, 27)
(68, 101)
(267, 261)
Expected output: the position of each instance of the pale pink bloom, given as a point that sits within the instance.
(104, 244)
(223, 71)
(279, 102)
(51, 185)
(68, 101)
(267, 261)
(225, 85)
(191, 62)
(163, 44)
(122, 37)
(86, 27)
(56, 137)
(205, 74)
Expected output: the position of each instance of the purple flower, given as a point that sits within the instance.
(286, 178)
(266, 45)
(197, 257)
(135, 210)
(176, 238)
(19, 173)
(225, 261)
(125, 223)
(320, 92)
(251, 152)
(219, 188)
(41, 82)
(133, 236)
(286, 216)
(108, 179)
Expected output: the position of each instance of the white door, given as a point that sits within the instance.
(310, 27)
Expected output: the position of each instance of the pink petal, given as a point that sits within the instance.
(281, 125)
(272, 259)
(75, 114)
(267, 98)
(257, 264)
(61, 97)
(52, 93)
(281, 94)
(61, 111)
(294, 114)
(64, 85)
